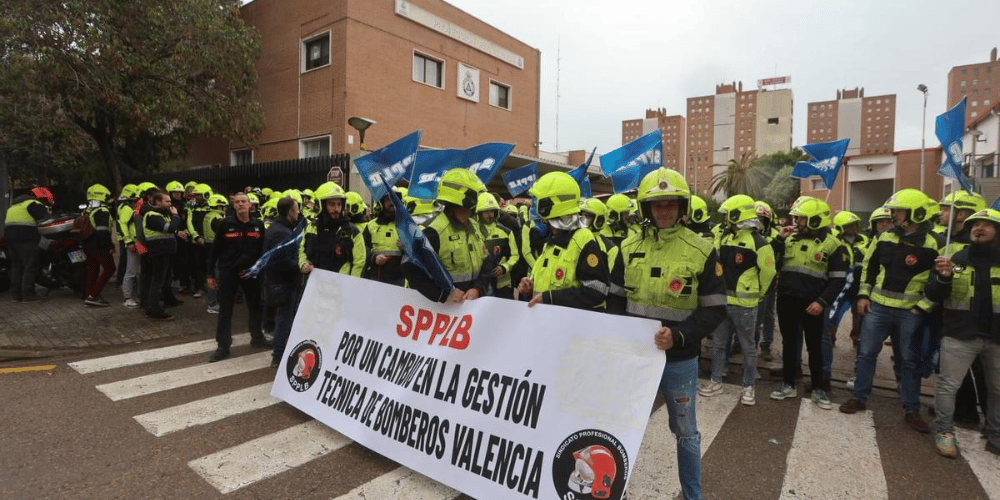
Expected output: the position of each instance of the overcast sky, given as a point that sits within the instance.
(620, 57)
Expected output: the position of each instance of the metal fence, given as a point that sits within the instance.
(279, 175)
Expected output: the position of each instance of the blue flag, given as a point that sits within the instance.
(416, 247)
(288, 249)
(628, 164)
(949, 129)
(521, 179)
(579, 174)
(483, 160)
(827, 158)
(996, 204)
(585, 189)
(393, 162)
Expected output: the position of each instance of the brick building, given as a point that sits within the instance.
(980, 82)
(869, 122)
(734, 124)
(407, 65)
(672, 129)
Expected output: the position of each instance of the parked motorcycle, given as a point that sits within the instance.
(62, 263)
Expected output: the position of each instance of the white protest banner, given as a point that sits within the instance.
(488, 397)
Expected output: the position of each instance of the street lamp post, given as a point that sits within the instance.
(360, 124)
(923, 136)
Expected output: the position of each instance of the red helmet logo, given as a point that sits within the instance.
(911, 260)
(739, 258)
(306, 363)
(595, 471)
(818, 257)
(560, 274)
(496, 250)
(676, 285)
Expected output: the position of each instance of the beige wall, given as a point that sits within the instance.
(772, 138)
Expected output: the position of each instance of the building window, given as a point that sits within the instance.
(817, 185)
(241, 157)
(316, 52)
(427, 70)
(499, 95)
(311, 148)
(772, 121)
(962, 84)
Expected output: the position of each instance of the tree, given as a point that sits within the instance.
(747, 175)
(765, 177)
(784, 188)
(140, 78)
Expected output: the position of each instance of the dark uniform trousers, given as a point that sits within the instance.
(229, 282)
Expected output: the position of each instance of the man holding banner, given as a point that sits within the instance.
(668, 273)
(382, 242)
(332, 242)
(456, 238)
(572, 270)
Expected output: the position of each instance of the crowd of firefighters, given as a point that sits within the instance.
(921, 275)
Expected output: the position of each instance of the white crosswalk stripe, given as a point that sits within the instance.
(157, 382)
(985, 464)
(655, 474)
(831, 456)
(401, 484)
(242, 465)
(150, 355)
(818, 463)
(204, 411)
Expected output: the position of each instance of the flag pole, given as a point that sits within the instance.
(947, 240)
(827, 199)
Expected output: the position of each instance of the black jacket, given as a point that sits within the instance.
(281, 272)
(979, 320)
(158, 220)
(237, 245)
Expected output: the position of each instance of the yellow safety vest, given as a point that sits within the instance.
(462, 251)
(17, 214)
(661, 273)
(555, 267)
(748, 264)
(918, 258)
(384, 238)
(497, 242)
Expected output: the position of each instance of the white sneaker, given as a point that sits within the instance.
(748, 397)
(784, 391)
(198, 294)
(213, 310)
(130, 303)
(819, 397)
(710, 388)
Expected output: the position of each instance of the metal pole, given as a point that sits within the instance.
(923, 139)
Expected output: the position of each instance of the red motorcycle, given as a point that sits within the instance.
(62, 263)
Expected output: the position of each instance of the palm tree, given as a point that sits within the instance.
(748, 175)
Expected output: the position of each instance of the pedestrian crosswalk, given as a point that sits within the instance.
(233, 468)
(817, 464)
(831, 455)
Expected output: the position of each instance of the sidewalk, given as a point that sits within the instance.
(62, 324)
